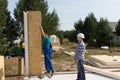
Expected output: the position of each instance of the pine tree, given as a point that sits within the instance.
(89, 28)
(50, 20)
(3, 7)
(104, 33)
(11, 29)
(118, 29)
(79, 26)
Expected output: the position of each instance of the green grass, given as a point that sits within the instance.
(62, 57)
(100, 52)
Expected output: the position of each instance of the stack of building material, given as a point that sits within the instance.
(104, 61)
(15, 68)
(105, 72)
(105, 65)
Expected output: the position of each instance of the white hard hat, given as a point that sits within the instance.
(81, 35)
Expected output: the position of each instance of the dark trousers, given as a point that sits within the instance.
(81, 71)
(48, 63)
(23, 53)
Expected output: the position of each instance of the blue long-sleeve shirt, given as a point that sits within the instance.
(80, 51)
(47, 42)
(47, 45)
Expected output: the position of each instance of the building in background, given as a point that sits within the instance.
(116, 40)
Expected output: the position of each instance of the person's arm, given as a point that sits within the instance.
(42, 31)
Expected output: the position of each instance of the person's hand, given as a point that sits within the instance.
(41, 28)
(42, 31)
(76, 61)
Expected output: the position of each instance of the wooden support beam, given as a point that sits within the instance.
(19, 66)
(2, 74)
(26, 43)
(70, 53)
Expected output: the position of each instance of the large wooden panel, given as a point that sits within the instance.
(2, 75)
(34, 42)
(106, 60)
(99, 65)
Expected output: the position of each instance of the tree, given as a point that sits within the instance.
(79, 26)
(104, 33)
(50, 20)
(89, 28)
(60, 35)
(96, 33)
(11, 29)
(118, 29)
(3, 7)
(71, 35)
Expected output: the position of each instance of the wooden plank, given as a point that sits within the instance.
(108, 73)
(70, 53)
(2, 74)
(22, 67)
(19, 66)
(34, 41)
(105, 59)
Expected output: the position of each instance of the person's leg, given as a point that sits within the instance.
(23, 54)
(46, 61)
(49, 66)
(46, 67)
(49, 63)
(81, 71)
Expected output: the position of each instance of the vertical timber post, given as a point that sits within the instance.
(2, 73)
(26, 44)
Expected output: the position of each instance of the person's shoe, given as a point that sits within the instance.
(41, 76)
(48, 74)
(51, 73)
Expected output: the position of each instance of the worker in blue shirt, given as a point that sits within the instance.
(79, 57)
(47, 48)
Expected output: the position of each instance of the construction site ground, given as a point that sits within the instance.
(63, 63)
(89, 76)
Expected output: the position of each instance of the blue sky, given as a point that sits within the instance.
(69, 11)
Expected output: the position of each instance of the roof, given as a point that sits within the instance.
(113, 25)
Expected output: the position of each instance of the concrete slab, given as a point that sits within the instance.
(89, 76)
